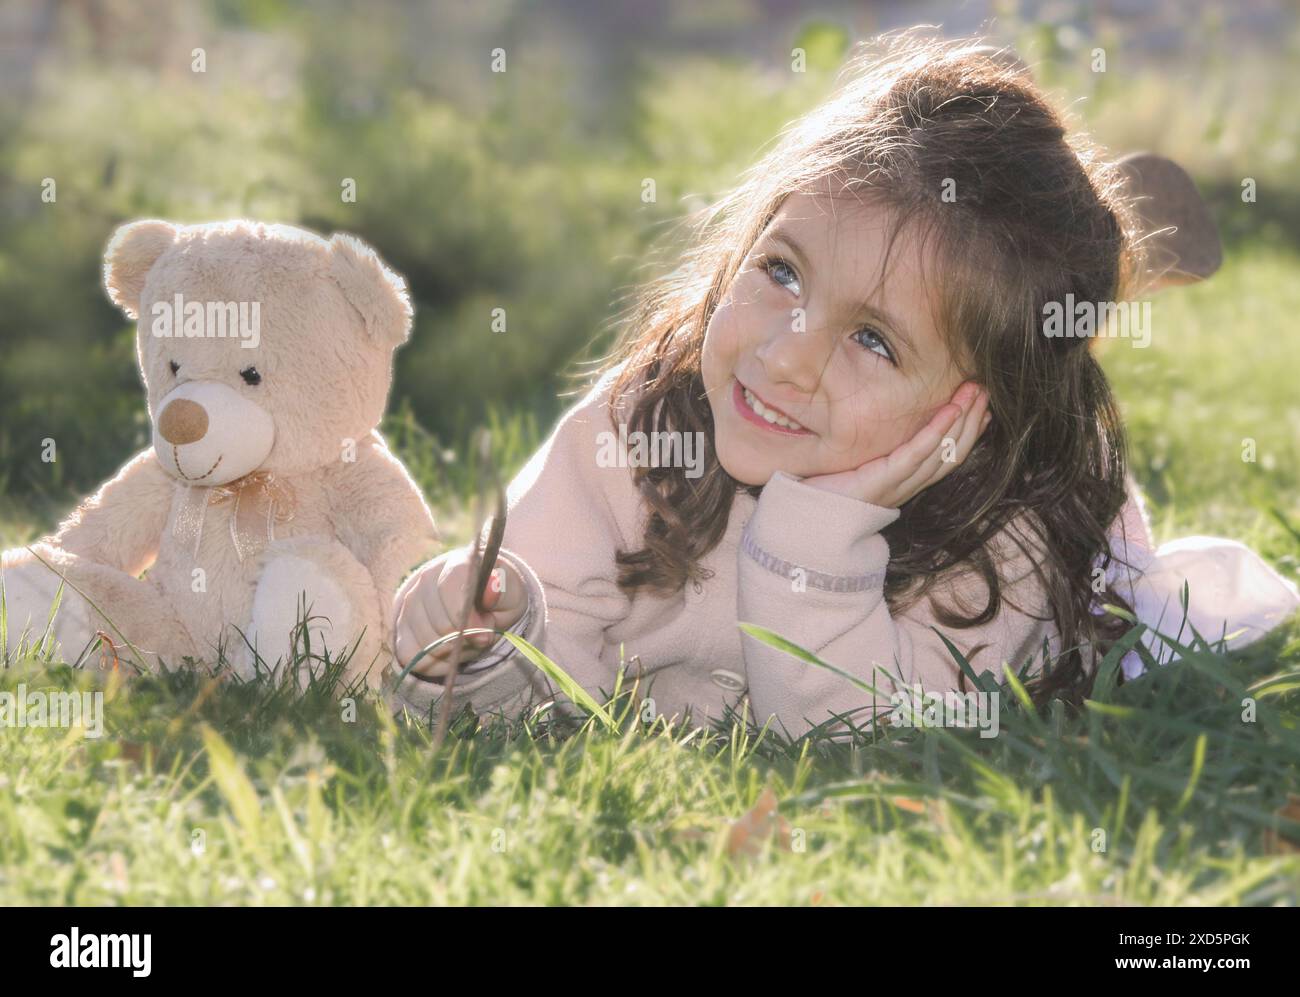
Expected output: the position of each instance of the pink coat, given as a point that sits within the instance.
(804, 562)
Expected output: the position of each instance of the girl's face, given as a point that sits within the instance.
(803, 374)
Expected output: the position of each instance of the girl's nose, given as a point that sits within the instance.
(794, 355)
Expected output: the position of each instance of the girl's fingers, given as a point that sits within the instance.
(441, 619)
(484, 621)
(411, 628)
(445, 618)
(955, 446)
(505, 591)
(979, 408)
(964, 435)
(951, 432)
(415, 615)
(401, 624)
(427, 667)
(453, 574)
(932, 468)
(406, 645)
(423, 637)
(431, 667)
(410, 640)
(421, 619)
(907, 459)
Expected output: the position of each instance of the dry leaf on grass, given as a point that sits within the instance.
(908, 804)
(1278, 844)
(761, 823)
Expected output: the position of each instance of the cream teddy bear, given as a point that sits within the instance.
(267, 356)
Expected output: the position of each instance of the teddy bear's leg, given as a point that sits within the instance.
(341, 608)
(128, 609)
(29, 589)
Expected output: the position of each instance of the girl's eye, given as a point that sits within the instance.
(250, 375)
(782, 273)
(174, 366)
(873, 341)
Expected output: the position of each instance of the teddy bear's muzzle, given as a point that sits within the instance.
(207, 433)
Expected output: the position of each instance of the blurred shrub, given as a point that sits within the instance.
(517, 196)
(494, 205)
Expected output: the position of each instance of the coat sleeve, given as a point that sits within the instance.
(812, 568)
(567, 516)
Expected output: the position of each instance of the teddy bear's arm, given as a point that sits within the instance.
(380, 515)
(121, 524)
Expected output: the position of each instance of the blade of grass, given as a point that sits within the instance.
(561, 678)
(774, 639)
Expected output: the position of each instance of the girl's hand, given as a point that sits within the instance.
(891, 480)
(434, 600)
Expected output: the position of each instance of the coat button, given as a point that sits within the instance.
(727, 680)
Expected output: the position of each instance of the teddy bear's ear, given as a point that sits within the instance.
(374, 290)
(1182, 240)
(131, 254)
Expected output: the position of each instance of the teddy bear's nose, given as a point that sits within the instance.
(183, 421)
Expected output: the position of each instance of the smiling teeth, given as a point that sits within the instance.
(770, 415)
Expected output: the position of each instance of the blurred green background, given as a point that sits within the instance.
(523, 190)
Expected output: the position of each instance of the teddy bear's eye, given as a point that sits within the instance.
(250, 375)
(174, 366)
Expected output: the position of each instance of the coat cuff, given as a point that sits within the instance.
(531, 625)
(834, 540)
(506, 685)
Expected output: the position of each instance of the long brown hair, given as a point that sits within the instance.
(1038, 215)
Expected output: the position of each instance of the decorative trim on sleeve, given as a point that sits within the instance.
(812, 579)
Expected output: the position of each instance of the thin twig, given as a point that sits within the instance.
(472, 596)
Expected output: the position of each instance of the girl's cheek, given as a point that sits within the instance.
(722, 337)
(718, 359)
(752, 292)
(868, 423)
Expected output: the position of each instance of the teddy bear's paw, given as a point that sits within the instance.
(300, 612)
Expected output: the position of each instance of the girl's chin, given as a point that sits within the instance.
(749, 470)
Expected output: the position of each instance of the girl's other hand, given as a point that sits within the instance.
(434, 600)
(891, 480)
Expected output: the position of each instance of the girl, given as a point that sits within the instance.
(891, 446)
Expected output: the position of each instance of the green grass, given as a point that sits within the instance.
(204, 792)
(1159, 793)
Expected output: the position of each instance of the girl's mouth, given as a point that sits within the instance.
(752, 408)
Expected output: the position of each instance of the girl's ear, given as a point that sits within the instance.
(131, 254)
(1181, 237)
(374, 290)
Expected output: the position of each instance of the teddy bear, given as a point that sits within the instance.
(268, 510)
